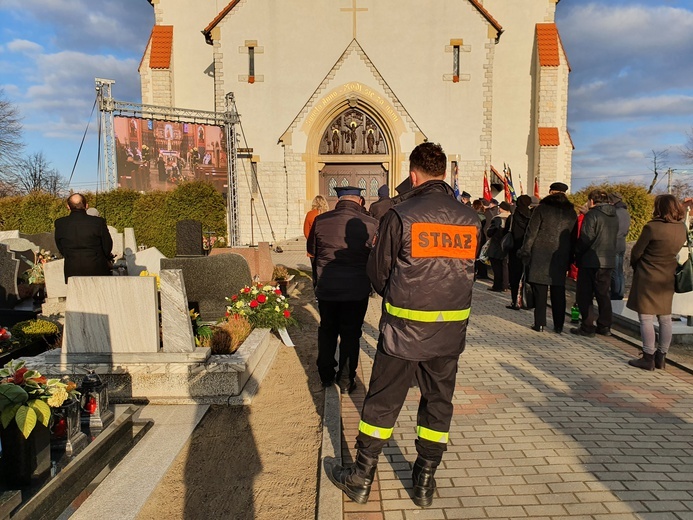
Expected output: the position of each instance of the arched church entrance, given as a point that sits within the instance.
(355, 152)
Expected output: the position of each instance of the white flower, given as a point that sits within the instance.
(239, 304)
(286, 305)
(277, 308)
(268, 288)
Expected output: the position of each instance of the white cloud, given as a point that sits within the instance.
(24, 46)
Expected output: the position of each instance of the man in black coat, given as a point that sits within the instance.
(340, 243)
(547, 251)
(383, 204)
(595, 254)
(83, 240)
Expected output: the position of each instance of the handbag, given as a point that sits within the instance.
(525, 294)
(508, 240)
(683, 279)
(483, 254)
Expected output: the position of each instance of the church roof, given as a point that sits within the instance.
(548, 136)
(218, 18)
(548, 43)
(161, 45)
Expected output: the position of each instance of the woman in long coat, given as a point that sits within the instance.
(548, 251)
(653, 259)
(517, 225)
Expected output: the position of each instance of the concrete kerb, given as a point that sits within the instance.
(330, 503)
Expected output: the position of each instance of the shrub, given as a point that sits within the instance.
(116, 206)
(230, 334)
(10, 217)
(635, 196)
(151, 225)
(26, 332)
(38, 211)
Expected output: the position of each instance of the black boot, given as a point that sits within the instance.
(660, 360)
(355, 479)
(646, 362)
(424, 483)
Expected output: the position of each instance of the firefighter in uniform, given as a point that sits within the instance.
(422, 263)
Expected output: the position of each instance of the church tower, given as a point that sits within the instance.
(336, 93)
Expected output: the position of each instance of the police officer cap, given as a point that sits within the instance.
(348, 190)
(465, 195)
(558, 186)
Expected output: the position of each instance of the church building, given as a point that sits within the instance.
(339, 92)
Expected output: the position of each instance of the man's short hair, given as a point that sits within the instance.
(598, 196)
(429, 159)
(76, 201)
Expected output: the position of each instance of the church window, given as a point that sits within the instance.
(362, 184)
(251, 64)
(345, 181)
(455, 63)
(374, 188)
(353, 132)
(331, 185)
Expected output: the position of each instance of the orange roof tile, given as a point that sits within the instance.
(218, 18)
(548, 136)
(162, 46)
(547, 43)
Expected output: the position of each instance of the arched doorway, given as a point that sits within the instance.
(355, 152)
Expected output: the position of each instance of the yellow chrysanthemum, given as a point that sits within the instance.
(58, 397)
(268, 288)
(277, 308)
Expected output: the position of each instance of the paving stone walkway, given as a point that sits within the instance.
(546, 426)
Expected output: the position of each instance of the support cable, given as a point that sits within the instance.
(82, 143)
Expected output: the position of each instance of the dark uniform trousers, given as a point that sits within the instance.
(557, 304)
(594, 282)
(390, 381)
(341, 320)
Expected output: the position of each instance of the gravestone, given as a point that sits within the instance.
(146, 260)
(9, 271)
(54, 273)
(14, 233)
(20, 245)
(129, 242)
(189, 238)
(176, 325)
(211, 279)
(45, 241)
(108, 315)
(259, 259)
(118, 242)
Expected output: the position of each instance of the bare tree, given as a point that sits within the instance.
(681, 188)
(687, 149)
(34, 173)
(659, 161)
(11, 144)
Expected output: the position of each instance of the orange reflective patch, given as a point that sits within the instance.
(430, 240)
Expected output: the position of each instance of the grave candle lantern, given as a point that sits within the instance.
(94, 403)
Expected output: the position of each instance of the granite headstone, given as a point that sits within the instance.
(176, 326)
(209, 280)
(189, 238)
(129, 242)
(9, 271)
(145, 260)
(45, 241)
(117, 238)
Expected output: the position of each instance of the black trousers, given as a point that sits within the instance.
(515, 268)
(390, 381)
(540, 292)
(594, 283)
(341, 320)
(500, 273)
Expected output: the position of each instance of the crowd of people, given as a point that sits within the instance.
(427, 234)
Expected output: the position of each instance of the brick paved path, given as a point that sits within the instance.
(546, 426)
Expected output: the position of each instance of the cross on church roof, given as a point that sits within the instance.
(354, 10)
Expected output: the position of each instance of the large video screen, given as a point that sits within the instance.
(159, 155)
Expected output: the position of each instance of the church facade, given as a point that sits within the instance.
(339, 92)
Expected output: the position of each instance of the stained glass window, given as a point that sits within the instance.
(332, 184)
(374, 188)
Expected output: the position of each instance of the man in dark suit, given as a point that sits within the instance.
(83, 240)
(340, 243)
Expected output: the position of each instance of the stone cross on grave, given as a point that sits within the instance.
(354, 10)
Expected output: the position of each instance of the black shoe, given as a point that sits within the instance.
(326, 384)
(538, 328)
(580, 332)
(604, 331)
(646, 362)
(493, 289)
(513, 307)
(355, 479)
(660, 360)
(424, 483)
(347, 388)
(558, 330)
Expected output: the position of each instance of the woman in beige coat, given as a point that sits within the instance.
(653, 259)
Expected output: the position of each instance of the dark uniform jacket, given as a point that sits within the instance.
(380, 207)
(596, 246)
(340, 242)
(549, 241)
(85, 243)
(423, 266)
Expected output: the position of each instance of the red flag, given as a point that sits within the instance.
(536, 187)
(487, 189)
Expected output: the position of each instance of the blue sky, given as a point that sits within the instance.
(631, 86)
